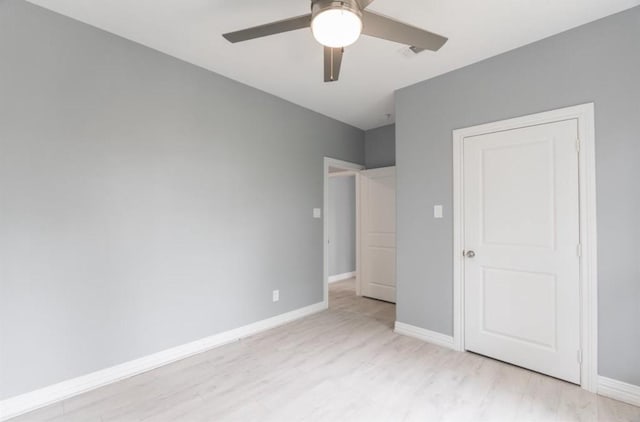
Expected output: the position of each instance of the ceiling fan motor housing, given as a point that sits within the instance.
(319, 6)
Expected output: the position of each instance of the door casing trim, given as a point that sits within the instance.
(584, 114)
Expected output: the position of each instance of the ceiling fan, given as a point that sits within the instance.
(338, 24)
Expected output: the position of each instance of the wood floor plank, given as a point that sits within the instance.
(345, 364)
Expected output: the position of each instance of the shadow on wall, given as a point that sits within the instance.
(380, 147)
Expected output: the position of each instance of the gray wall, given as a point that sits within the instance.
(144, 202)
(598, 62)
(380, 147)
(342, 224)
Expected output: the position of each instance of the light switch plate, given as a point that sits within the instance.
(317, 213)
(437, 211)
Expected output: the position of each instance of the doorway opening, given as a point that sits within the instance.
(359, 233)
(341, 223)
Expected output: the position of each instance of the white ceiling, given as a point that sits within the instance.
(290, 65)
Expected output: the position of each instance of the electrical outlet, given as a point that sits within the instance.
(276, 295)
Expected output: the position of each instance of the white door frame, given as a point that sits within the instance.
(588, 263)
(349, 167)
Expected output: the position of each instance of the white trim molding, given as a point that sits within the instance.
(28, 402)
(343, 173)
(350, 167)
(584, 114)
(424, 335)
(619, 390)
(340, 277)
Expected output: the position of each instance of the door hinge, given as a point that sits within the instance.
(579, 356)
(578, 144)
(579, 250)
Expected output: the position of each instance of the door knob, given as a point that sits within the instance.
(470, 254)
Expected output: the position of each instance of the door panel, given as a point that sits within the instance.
(527, 218)
(522, 221)
(507, 292)
(378, 233)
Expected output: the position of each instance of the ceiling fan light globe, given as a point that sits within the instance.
(336, 27)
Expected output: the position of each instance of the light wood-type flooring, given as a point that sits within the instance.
(344, 364)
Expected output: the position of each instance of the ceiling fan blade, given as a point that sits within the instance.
(272, 28)
(332, 63)
(364, 3)
(389, 29)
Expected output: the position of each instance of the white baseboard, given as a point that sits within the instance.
(27, 402)
(340, 277)
(424, 335)
(607, 387)
(619, 390)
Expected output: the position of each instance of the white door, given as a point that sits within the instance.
(521, 221)
(378, 233)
